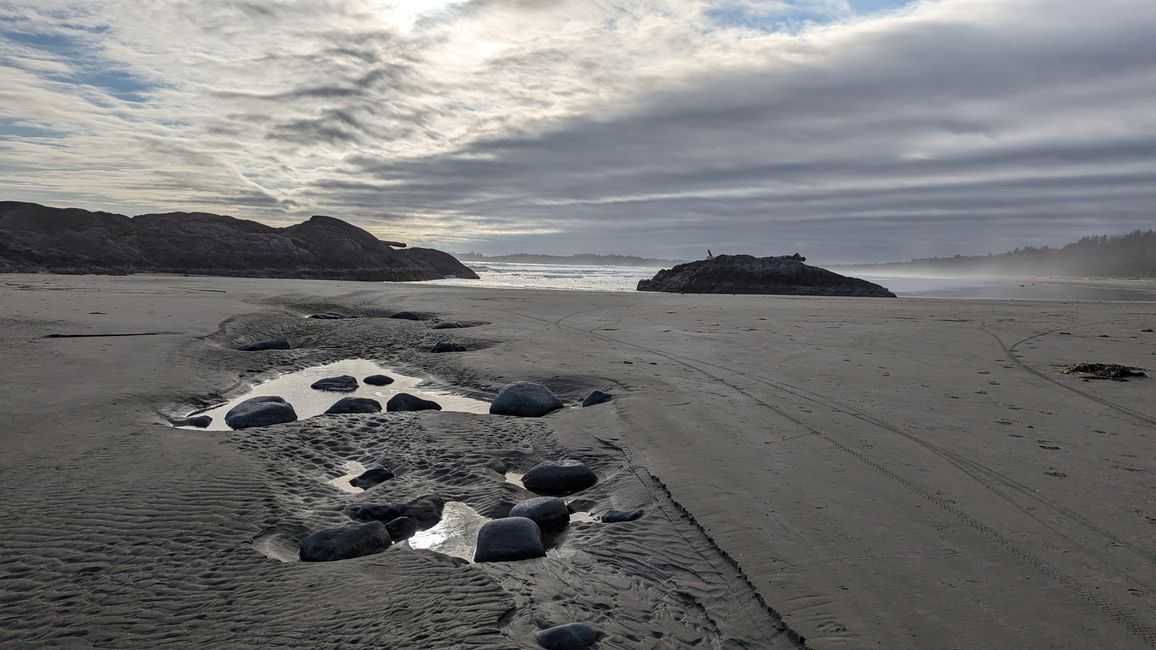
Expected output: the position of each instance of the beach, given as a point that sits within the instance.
(890, 473)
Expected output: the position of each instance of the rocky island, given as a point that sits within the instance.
(784, 275)
(40, 239)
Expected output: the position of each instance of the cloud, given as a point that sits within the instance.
(853, 131)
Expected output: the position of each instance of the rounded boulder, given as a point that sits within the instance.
(509, 540)
(525, 399)
(571, 636)
(559, 479)
(334, 544)
(342, 384)
(550, 513)
(407, 402)
(354, 405)
(378, 380)
(260, 412)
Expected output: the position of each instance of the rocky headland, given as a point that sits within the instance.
(38, 239)
(785, 275)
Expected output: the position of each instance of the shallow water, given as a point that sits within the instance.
(353, 469)
(307, 402)
(456, 534)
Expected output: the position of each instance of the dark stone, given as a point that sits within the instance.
(597, 397)
(550, 513)
(497, 465)
(271, 344)
(448, 325)
(402, 528)
(36, 238)
(407, 315)
(371, 477)
(571, 636)
(198, 421)
(525, 399)
(331, 315)
(342, 384)
(559, 479)
(378, 380)
(334, 544)
(448, 346)
(509, 539)
(616, 516)
(786, 275)
(407, 402)
(426, 511)
(260, 412)
(354, 405)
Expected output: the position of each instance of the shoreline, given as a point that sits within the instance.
(872, 467)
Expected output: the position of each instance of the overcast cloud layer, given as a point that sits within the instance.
(849, 130)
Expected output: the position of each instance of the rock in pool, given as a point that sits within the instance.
(597, 397)
(371, 477)
(342, 384)
(407, 402)
(198, 421)
(402, 528)
(571, 636)
(271, 344)
(378, 380)
(448, 346)
(260, 412)
(426, 511)
(354, 405)
(559, 479)
(550, 513)
(616, 516)
(509, 539)
(334, 544)
(525, 399)
(406, 315)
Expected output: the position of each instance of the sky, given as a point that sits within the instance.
(848, 130)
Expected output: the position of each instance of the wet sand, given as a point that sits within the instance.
(882, 473)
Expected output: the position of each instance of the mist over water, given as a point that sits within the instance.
(513, 275)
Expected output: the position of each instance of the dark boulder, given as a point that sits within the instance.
(371, 477)
(571, 636)
(426, 511)
(448, 325)
(407, 315)
(550, 513)
(559, 479)
(786, 275)
(617, 516)
(509, 539)
(402, 528)
(597, 397)
(342, 384)
(270, 344)
(197, 421)
(378, 380)
(334, 544)
(448, 346)
(354, 405)
(331, 315)
(407, 402)
(525, 399)
(260, 412)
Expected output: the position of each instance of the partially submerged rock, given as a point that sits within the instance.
(559, 479)
(550, 513)
(508, 540)
(786, 275)
(402, 528)
(378, 380)
(448, 346)
(197, 421)
(332, 315)
(407, 402)
(371, 477)
(425, 510)
(342, 384)
(345, 543)
(525, 399)
(616, 516)
(597, 397)
(269, 344)
(406, 315)
(571, 636)
(1112, 371)
(354, 405)
(260, 412)
(448, 325)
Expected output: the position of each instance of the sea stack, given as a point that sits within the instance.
(785, 275)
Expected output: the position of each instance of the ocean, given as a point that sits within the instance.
(506, 275)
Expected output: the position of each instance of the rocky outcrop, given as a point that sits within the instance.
(36, 238)
(787, 275)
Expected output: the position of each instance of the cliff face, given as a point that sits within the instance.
(786, 275)
(35, 238)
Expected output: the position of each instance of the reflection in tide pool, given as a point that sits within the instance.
(353, 469)
(456, 534)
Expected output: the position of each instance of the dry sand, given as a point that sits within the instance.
(883, 473)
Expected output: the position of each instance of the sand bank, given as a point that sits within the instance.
(884, 473)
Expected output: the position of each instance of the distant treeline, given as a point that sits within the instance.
(1121, 256)
(581, 258)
